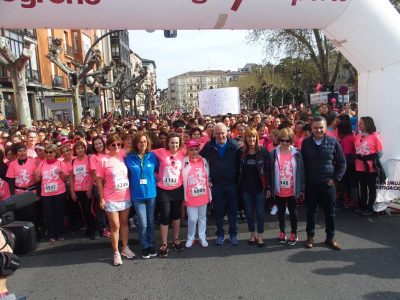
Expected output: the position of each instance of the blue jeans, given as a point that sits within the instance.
(225, 196)
(145, 212)
(254, 202)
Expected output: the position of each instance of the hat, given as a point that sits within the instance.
(64, 140)
(192, 143)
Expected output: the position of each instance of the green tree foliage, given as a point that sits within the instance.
(307, 44)
(396, 4)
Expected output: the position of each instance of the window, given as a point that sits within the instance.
(115, 50)
(16, 42)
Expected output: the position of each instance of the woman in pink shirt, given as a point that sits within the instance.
(368, 150)
(4, 188)
(52, 174)
(170, 190)
(98, 154)
(115, 197)
(81, 185)
(195, 175)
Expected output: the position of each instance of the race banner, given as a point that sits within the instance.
(388, 194)
(216, 102)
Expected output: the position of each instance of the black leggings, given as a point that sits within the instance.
(367, 189)
(53, 210)
(170, 210)
(291, 205)
(85, 205)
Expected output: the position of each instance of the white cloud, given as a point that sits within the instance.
(195, 51)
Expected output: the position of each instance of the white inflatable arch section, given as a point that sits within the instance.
(367, 32)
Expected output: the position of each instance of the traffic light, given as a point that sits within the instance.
(170, 34)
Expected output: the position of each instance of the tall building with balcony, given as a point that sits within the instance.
(150, 84)
(16, 39)
(183, 90)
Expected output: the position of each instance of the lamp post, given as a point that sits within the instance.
(296, 79)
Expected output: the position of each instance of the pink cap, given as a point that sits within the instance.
(192, 143)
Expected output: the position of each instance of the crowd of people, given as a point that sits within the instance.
(175, 168)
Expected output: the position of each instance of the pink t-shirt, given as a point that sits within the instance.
(270, 147)
(369, 144)
(285, 176)
(31, 153)
(196, 190)
(81, 174)
(23, 174)
(347, 144)
(297, 141)
(115, 178)
(331, 133)
(169, 176)
(38, 160)
(52, 183)
(4, 190)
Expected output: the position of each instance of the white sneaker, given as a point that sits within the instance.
(189, 243)
(117, 259)
(204, 243)
(128, 253)
(287, 211)
(274, 210)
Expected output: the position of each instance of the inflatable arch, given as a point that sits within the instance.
(367, 32)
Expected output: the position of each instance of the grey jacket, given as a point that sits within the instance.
(299, 180)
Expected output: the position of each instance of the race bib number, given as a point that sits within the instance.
(170, 178)
(198, 191)
(121, 184)
(50, 187)
(80, 170)
(285, 183)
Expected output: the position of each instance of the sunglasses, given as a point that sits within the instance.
(115, 145)
(172, 160)
(66, 151)
(284, 141)
(49, 152)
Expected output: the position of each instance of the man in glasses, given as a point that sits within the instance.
(222, 154)
(324, 165)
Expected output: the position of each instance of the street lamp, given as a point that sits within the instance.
(296, 79)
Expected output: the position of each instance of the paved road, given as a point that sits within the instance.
(368, 267)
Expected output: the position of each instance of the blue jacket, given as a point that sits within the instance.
(137, 171)
(323, 162)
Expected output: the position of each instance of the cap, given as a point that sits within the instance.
(192, 143)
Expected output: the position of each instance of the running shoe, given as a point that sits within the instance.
(163, 251)
(234, 241)
(292, 240)
(219, 241)
(117, 259)
(274, 210)
(152, 252)
(145, 254)
(282, 238)
(128, 253)
(204, 243)
(106, 233)
(189, 243)
(177, 245)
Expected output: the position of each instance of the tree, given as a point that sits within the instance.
(16, 66)
(396, 4)
(309, 44)
(91, 68)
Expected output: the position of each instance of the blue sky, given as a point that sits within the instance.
(195, 51)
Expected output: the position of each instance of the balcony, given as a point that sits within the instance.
(57, 81)
(32, 76)
(70, 51)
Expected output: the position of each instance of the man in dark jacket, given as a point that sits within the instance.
(324, 164)
(222, 154)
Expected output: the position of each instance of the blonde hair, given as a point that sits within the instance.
(286, 133)
(53, 148)
(250, 132)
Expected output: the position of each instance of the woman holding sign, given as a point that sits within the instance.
(170, 190)
(115, 198)
(53, 173)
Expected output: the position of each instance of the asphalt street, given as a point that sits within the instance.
(368, 267)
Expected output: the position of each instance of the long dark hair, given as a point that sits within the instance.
(369, 124)
(94, 151)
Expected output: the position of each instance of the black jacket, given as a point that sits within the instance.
(222, 170)
(323, 162)
(263, 167)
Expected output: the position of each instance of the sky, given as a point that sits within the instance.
(195, 51)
